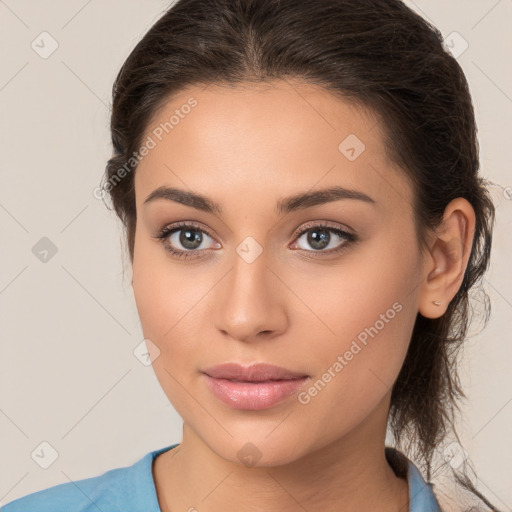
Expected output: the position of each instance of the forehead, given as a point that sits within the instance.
(222, 140)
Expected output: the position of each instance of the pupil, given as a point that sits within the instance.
(189, 237)
(319, 238)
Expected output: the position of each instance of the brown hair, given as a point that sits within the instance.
(378, 54)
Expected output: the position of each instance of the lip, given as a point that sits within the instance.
(255, 373)
(256, 387)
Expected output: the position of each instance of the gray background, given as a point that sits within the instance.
(68, 374)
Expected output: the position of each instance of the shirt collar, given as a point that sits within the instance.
(421, 494)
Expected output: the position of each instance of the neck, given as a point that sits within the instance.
(350, 474)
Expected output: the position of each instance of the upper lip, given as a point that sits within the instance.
(254, 373)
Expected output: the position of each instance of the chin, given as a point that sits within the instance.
(253, 451)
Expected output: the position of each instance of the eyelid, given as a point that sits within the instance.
(322, 223)
(176, 226)
(298, 232)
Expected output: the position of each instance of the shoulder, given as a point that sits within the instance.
(127, 488)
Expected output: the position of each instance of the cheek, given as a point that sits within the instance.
(162, 296)
(171, 306)
(355, 374)
(369, 307)
(165, 302)
(371, 292)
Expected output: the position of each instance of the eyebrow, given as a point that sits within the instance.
(283, 206)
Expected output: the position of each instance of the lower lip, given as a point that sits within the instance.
(253, 396)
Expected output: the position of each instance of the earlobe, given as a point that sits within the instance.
(447, 258)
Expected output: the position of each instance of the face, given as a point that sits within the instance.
(324, 286)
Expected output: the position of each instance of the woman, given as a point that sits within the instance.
(304, 217)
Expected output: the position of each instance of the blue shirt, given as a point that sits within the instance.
(132, 489)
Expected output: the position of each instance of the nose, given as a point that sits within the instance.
(250, 303)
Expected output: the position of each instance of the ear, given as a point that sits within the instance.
(445, 263)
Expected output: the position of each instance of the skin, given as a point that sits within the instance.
(246, 148)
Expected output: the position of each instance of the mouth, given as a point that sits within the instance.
(256, 387)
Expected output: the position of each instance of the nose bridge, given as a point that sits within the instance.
(249, 302)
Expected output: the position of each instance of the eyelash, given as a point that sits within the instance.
(169, 230)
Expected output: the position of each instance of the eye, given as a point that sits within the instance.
(323, 238)
(188, 239)
(185, 240)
